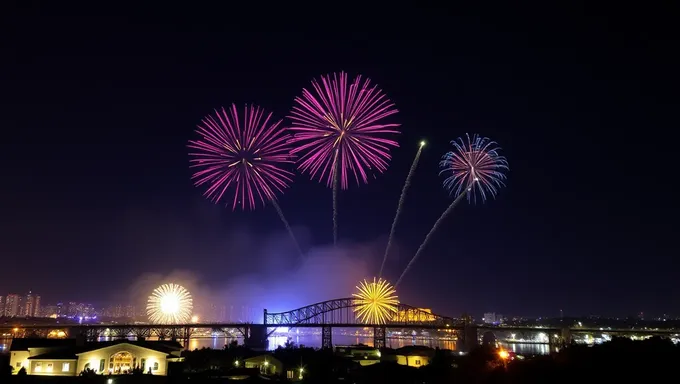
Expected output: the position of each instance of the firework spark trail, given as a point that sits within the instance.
(402, 198)
(290, 230)
(429, 234)
(476, 170)
(335, 202)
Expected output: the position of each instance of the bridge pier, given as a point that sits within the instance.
(327, 337)
(186, 337)
(256, 337)
(566, 336)
(379, 337)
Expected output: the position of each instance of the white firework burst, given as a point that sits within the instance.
(170, 304)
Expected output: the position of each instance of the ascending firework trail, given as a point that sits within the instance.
(335, 199)
(407, 183)
(340, 132)
(290, 230)
(475, 170)
(429, 234)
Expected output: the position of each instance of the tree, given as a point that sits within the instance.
(6, 370)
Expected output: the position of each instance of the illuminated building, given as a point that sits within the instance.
(492, 318)
(361, 354)
(64, 357)
(12, 305)
(267, 364)
(31, 305)
(421, 315)
(2, 306)
(37, 310)
(412, 356)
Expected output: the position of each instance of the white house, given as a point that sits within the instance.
(65, 358)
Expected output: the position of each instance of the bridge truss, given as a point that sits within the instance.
(342, 313)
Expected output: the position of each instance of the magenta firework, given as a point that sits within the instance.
(241, 158)
(339, 129)
(474, 167)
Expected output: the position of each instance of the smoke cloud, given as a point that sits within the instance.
(234, 273)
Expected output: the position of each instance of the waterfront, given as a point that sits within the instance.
(312, 340)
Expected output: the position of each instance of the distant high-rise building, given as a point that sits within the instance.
(2, 306)
(36, 306)
(29, 305)
(12, 305)
(492, 318)
(130, 312)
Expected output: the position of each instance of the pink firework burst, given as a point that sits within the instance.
(338, 128)
(241, 156)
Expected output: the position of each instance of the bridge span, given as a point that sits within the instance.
(337, 313)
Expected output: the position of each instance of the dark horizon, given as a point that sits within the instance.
(99, 106)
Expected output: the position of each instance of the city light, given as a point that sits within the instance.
(503, 354)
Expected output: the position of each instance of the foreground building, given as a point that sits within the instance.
(64, 357)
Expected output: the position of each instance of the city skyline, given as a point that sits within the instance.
(99, 203)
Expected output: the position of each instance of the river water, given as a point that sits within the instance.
(314, 340)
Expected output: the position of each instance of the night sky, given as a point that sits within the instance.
(98, 106)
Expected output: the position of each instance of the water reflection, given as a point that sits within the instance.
(314, 341)
(527, 349)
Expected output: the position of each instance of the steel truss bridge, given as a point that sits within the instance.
(338, 313)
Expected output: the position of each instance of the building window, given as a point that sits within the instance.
(417, 362)
(38, 367)
(155, 366)
(289, 375)
(102, 362)
(49, 367)
(65, 367)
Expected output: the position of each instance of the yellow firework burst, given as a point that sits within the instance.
(376, 301)
(169, 304)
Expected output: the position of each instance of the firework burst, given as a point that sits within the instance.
(376, 302)
(338, 129)
(474, 167)
(169, 304)
(245, 154)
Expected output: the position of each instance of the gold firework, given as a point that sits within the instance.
(375, 302)
(169, 304)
